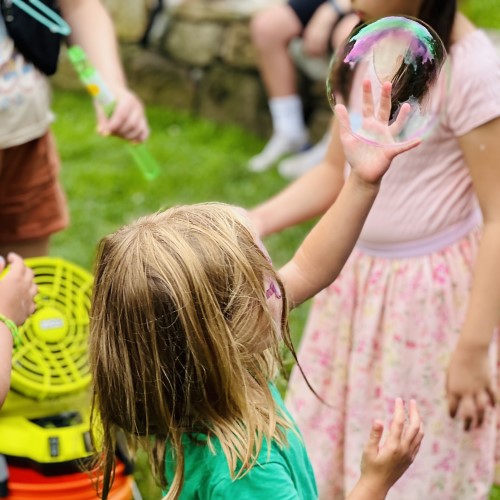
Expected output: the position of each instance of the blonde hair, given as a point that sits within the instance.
(179, 307)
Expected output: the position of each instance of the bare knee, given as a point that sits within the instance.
(274, 27)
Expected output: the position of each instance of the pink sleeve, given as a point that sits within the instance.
(474, 95)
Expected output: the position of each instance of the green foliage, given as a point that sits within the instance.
(201, 161)
(495, 493)
(484, 13)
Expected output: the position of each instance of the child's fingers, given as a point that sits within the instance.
(130, 126)
(405, 146)
(16, 265)
(414, 425)
(419, 436)
(33, 289)
(484, 399)
(401, 119)
(453, 401)
(482, 402)
(342, 116)
(384, 110)
(414, 433)
(415, 445)
(19, 271)
(398, 421)
(14, 257)
(102, 122)
(492, 395)
(372, 446)
(467, 412)
(368, 106)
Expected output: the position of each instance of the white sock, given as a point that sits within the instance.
(287, 116)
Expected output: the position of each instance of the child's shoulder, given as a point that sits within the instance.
(462, 27)
(475, 62)
(468, 40)
(279, 472)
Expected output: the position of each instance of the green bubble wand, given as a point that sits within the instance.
(100, 92)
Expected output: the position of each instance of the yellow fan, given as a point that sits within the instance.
(45, 421)
(51, 359)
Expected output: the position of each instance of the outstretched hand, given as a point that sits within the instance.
(370, 158)
(383, 465)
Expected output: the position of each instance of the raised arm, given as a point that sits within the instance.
(320, 258)
(383, 464)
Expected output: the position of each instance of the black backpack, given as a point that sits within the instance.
(37, 30)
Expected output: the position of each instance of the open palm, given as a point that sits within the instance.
(371, 158)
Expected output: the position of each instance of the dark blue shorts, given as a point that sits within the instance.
(305, 9)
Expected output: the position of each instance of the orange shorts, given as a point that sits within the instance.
(32, 202)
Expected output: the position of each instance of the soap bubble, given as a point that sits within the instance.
(400, 50)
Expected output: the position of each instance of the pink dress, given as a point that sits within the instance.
(387, 326)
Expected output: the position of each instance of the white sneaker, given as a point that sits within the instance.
(299, 164)
(277, 147)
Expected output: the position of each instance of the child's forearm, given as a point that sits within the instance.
(483, 313)
(323, 253)
(364, 491)
(309, 196)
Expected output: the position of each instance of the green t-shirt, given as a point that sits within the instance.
(285, 474)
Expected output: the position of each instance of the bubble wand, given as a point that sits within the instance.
(100, 92)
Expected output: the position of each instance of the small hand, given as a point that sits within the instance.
(17, 290)
(128, 120)
(382, 466)
(469, 386)
(370, 160)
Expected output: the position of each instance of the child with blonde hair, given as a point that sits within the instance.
(188, 318)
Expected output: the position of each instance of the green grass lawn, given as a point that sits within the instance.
(200, 161)
(485, 13)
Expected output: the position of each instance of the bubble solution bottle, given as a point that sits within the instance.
(101, 94)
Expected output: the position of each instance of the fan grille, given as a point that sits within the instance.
(51, 359)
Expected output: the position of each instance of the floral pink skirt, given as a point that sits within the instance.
(386, 328)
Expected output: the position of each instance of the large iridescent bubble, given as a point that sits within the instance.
(400, 50)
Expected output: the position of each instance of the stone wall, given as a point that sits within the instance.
(199, 58)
